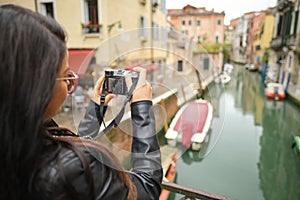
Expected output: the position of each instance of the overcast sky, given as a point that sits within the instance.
(232, 8)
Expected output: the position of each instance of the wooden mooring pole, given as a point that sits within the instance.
(163, 105)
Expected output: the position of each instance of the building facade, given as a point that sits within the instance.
(243, 38)
(284, 52)
(109, 34)
(89, 24)
(263, 33)
(199, 24)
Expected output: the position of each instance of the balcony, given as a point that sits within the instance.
(276, 42)
(283, 4)
(291, 41)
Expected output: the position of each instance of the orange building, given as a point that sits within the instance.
(198, 23)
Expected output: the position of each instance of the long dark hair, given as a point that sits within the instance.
(32, 48)
(30, 56)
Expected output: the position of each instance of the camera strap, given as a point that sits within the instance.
(119, 116)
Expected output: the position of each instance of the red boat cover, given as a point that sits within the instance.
(192, 120)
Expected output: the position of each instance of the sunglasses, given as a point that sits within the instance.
(72, 81)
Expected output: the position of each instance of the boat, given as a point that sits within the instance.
(251, 67)
(228, 68)
(190, 124)
(223, 78)
(169, 161)
(275, 91)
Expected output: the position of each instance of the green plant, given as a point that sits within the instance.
(265, 58)
(214, 48)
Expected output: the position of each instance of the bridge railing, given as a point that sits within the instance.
(190, 193)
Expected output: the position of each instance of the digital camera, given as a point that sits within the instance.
(115, 81)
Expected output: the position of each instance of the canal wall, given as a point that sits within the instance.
(293, 93)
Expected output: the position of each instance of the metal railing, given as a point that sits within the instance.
(190, 193)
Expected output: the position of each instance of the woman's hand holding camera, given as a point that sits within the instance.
(143, 90)
(97, 92)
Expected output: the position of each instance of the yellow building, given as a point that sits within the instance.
(263, 36)
(108, 32)
(268, 28)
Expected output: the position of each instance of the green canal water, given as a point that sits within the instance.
(248, 154)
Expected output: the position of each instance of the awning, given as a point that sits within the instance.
(79, 60)
(149, 67)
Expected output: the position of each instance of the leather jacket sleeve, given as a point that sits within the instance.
(89, 126)
(145, 156)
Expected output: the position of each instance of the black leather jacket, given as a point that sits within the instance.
(146, 171)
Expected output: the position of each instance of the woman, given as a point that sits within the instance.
(42, 161)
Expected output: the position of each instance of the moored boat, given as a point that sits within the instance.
(228, 68)
(190, 124)
(275, 91)
(223, 78)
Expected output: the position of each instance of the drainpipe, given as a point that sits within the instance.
(36, 5)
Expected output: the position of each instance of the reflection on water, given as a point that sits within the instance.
(189, 156)
(253, 158)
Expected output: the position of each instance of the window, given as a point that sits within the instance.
(279, 26)
(46, 8)
(91, 16)
(183, 22)
(219, 22)
(143, 31)
(179, 65)
(289, 16)
(206, 63)
(155, 31)
(217, 39)
(296, 22)
(154, 5)
(241, 40)
(198, 23)
(163, 6)
(190, 22)
(199, 39)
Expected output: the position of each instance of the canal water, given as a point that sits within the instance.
(248, 154)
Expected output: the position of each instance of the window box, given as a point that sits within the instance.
(91, 28)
